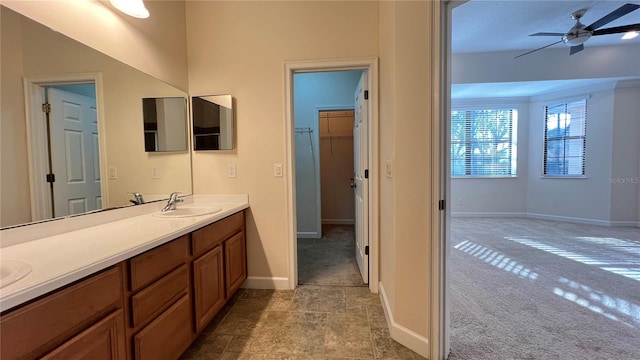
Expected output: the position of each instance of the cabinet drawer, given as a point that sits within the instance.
(37, 328)
(160, 295)
(168, 336)
(212, 235)
(155, 263)
(104, 340)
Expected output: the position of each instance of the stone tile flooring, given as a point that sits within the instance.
(310, 323)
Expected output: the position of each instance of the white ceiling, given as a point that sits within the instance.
(485, 26)
(502, 25)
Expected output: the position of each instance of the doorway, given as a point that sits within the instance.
(295, 220)
(324, 121)
(64, 135)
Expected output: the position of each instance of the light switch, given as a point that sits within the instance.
(277, 169)
(154, 172)
(231, 170)
(389, 168)
(113, 172)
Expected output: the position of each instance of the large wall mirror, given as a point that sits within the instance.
(95, 116)
(212, 122)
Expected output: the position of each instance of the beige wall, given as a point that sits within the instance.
(406, 202)
(14, 190)
(155, 45)
(240, 48)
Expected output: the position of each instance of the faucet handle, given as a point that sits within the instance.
(137, 198)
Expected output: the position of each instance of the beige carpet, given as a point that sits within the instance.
(330, 260)
(534, 289)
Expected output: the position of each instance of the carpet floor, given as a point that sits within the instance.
(330, 260)
(535, 289)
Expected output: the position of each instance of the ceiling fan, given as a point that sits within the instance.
(579, 34)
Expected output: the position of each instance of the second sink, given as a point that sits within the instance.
(187, 212)
(12, 271)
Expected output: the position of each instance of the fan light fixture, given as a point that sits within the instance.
(630, 35)
(133, 8)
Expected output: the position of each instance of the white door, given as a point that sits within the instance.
(361, 181)
(74, 153)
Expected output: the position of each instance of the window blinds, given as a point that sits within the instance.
(565, 139)
(482, 142)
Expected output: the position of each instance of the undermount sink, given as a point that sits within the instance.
(12, 271)
(187, 212)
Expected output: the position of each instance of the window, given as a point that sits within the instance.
(483, 142)
(564, 138)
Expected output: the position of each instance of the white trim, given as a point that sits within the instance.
(577, 220)
(338, 221)
(370, 64)
(259, 282)
(37, 151)
(308, 235)
(560, 218)
(401, 334)
(487, 214)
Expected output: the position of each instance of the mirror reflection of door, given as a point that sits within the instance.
(74, 149)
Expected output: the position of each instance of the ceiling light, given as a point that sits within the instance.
(133, 8)
(630, 35)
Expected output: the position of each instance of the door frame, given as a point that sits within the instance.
(37, 150)
(370, 64)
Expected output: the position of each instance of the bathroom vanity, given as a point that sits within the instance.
(146, 301)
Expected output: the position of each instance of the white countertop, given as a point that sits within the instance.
(96, 241)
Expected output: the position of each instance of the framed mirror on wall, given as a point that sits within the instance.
(165, 124)
(212, 122)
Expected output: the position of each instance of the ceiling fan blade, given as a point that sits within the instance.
(544, 47)
(547, 34)
(621, 11)
(575, 49)
(617, 29)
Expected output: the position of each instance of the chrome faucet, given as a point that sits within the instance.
(173, 200)
(137, 199)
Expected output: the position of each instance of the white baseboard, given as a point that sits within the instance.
(401, 334)
(547, 217)
(570, 219)
(488, 214)
(308, 235)
(338, 221)
(257, 282)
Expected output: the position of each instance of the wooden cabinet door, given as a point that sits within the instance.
(235, 257)
(208, 285)
(168, 336)
(102, 341)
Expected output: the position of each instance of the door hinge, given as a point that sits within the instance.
(51, 178)
(366, 94)
(366, 250)
(441, 204)
(46, 108)
(366, 173)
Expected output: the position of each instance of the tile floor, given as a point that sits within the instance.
(331, 315)
(310, 323)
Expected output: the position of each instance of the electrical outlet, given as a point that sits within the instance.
(231, 170)
(459, 201)
(277, 169)
(389, 169)
(113, 172)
